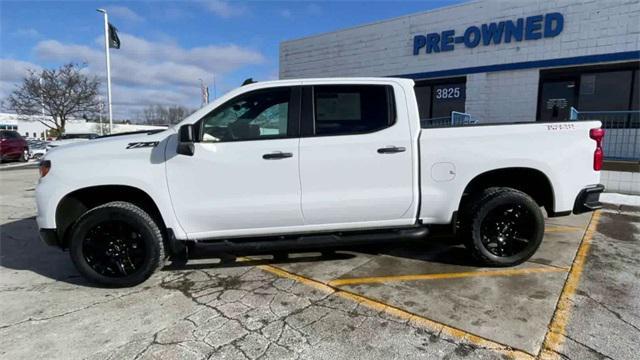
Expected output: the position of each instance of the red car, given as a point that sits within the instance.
(13, 146)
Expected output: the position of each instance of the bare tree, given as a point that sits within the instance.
(164, 115)
(62, 93)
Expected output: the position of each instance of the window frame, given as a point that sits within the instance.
(293, 118)
(308, 117)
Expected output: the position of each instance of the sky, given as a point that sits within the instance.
(167, 46)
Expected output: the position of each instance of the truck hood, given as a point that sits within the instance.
(108, 147)
(57, 143)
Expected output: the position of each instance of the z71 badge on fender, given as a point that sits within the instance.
(137, 145)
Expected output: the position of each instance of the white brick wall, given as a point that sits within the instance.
(386, 48)
(491, 97)
(621, 182)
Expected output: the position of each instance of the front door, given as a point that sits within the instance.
(243, 177)
(355, 157)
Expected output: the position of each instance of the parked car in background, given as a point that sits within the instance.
(13, 146)
(37, 148)
(71, 138)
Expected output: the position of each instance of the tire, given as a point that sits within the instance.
(24, 156)
(502, 227)
(117, 245)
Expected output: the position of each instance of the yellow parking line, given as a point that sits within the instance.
(556, 333)
(552, 229)
(386, 279)
(402, 314)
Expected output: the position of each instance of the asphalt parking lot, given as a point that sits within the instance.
(578, 298)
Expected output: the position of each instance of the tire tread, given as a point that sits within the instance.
(158, 257)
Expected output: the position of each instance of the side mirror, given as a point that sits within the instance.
(186, 138)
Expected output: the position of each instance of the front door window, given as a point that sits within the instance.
(261, 114)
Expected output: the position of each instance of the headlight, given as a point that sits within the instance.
(45, 166)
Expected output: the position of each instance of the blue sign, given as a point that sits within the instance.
(529, 28)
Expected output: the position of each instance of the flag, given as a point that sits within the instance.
(114, 40)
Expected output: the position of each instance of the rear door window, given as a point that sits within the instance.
(352, 109)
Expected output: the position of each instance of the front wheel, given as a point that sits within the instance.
(24, 156)
(116, 244)
(503, 227)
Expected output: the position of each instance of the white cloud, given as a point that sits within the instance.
(15, 70)
(224, 9)
(145, 72)
(124, 13)
(142, 62)
(11, 73)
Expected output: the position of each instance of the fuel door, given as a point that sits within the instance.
(443, 171)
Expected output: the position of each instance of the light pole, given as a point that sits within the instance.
(42, 95)
(101, 107)
(108, 61)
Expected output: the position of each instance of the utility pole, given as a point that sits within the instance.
(204, 93)
(42, 95)
(108, 61)
(101, 107)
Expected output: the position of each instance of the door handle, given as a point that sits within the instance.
(391, 150)
(277, 155)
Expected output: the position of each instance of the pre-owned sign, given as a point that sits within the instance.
(529, 28)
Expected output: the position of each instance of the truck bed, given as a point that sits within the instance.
(451, 157)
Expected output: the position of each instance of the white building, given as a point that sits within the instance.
(32, 127)
(509, 60)
(501, 61)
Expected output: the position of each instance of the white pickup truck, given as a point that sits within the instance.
(312, 161)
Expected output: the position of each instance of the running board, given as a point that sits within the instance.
(306, 242)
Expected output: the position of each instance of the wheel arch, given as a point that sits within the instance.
(77, 202)
(532, 182)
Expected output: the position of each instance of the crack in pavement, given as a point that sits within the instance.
(32, 319)
(608, 309)
(292, 321)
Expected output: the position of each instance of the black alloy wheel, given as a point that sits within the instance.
(507, 230)
(502, 226)
(117, 244)
(114, 249)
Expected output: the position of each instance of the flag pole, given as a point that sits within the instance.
(108, 61)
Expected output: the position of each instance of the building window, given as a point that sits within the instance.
(438, 98)
(605, 91)
(601, 88)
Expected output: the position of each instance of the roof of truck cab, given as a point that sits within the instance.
(329, 80)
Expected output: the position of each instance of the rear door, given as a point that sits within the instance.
(355, 156)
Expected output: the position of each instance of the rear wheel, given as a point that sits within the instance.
(24, 156)
(503, 227)
(117, 244)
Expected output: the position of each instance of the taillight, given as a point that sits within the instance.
(598, 155)
(45, 166)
